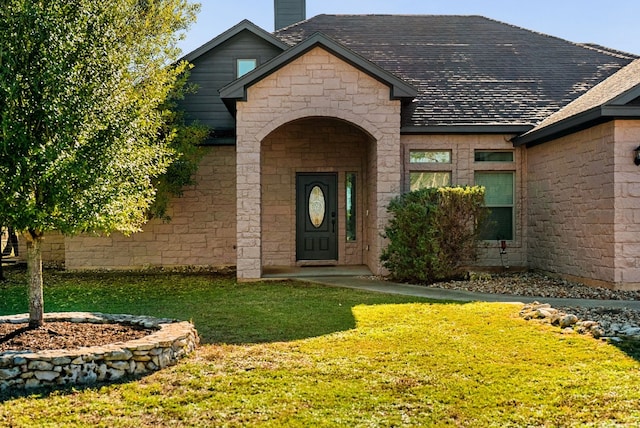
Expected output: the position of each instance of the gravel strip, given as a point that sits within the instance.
(535, 284)
(612, 323)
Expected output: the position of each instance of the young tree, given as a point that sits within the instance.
(186, 144)
(82, 83)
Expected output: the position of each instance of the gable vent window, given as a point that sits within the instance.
(243, 66)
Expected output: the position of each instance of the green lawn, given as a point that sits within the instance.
(294, 354)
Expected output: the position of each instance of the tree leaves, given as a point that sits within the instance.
(82, 133)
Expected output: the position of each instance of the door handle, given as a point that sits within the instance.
(333, 222)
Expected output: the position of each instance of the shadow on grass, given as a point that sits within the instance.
(222, 310)
(631, 347)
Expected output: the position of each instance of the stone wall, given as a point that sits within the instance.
(317, 84)
(627, 205)
(572, 197)
(53, 245)
(53, 248)
(201, 231)
(309, 145)
(463, 168)
(84, 366)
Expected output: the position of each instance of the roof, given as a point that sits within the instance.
(238, 89)
(244, 25)
(615, 97)
(471, 72)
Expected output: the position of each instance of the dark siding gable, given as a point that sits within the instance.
(216, 68)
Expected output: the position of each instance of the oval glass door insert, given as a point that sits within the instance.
(316, 206)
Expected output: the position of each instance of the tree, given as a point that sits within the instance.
(82, 85)
(187, 147)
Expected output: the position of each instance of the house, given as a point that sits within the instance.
(317, 126)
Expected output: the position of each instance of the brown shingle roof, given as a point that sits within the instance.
(469, 70)
(626, 79)
(617, 96)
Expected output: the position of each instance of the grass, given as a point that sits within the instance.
(294, 354)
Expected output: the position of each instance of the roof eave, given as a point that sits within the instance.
(626, 97)
(244, 25)
(467, 129)
(584, 120)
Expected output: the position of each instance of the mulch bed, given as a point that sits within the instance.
(65, 335)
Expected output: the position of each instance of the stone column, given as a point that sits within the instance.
(388, 178)
(249, 203)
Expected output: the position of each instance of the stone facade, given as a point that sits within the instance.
(463, 168)
(627, 205)
(583, 205)
(309, 145)
(315, 85)
(201, 231)
(53, 249)
(84, 366)
(575, 207)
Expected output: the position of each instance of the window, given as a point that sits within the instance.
(499, 198)
(493, 156)
(350, 188)
(420, 180)
(429, 169)
(244, 66)
(429, 156)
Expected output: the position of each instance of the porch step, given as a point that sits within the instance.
(310, 271)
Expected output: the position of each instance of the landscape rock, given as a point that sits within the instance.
(604, 322)
(568, 320)
(171, 341)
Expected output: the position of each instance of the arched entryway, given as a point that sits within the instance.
(316, 191)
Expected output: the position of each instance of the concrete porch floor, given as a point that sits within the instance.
(275, 272)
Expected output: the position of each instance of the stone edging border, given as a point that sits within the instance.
(173, 340)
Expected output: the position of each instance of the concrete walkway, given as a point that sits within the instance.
(361, 283)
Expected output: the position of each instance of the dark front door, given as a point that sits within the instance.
(316, 216)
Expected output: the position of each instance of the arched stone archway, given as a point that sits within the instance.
(308, 113)
(324, 147)
(318, 86)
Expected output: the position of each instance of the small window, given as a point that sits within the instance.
(489, 156)
(430, 156)
(245, 65)
(420, 180)
(350, 187)
(499, 198)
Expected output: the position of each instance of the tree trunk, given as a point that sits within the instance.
(34, 272)
(1, 251)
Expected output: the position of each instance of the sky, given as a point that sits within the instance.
(612, 23)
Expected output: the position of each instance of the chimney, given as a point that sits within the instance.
(289, 12)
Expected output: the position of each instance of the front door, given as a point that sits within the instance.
(316, 216)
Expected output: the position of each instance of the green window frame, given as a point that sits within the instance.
(350, 207)
(500, 199)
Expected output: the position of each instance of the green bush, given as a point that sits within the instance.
(432, 232)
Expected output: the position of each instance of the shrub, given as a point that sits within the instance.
(432, 232)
